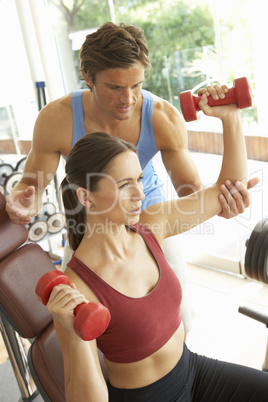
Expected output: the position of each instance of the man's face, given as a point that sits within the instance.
(116, 90)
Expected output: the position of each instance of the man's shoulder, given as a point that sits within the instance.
(55, 118)
(164, 109)
(168, 123)
(60, 103)
(146, 94)
(57, 108)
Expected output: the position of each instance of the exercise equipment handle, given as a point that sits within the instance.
(230, 97)
(255, 314)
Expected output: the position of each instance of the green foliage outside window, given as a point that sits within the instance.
(180, 36)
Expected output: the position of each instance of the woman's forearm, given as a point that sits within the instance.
(84, 381)
(234, 163)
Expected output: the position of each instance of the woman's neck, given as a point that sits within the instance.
(103, 243)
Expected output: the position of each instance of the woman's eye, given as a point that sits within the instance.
(124, 185)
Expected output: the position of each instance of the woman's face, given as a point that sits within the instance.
(119, 194)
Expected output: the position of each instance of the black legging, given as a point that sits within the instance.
(201, 379)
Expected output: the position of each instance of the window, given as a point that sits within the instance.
(17, 98)
(191, 43)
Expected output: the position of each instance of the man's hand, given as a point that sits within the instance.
(19, 206)
(235, 197)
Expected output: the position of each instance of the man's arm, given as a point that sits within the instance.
(41, 166)
(172, 140)
(182, 171)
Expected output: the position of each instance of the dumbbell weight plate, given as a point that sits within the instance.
(56, 222)
(262, 267)
(257, 247)
(20, 165)
(265, 267)
(47, 210)
(188, 106)
(2, 189)
(11, 181)
(249, 248)
(5, 171)
(37, 230)
(257, 273)
(243, 93)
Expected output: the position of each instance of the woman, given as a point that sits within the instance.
(118, 262)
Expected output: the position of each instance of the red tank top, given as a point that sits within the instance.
(139, 326)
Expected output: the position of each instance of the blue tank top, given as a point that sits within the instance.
(146, 147)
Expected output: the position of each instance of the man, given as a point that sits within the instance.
(113, 64)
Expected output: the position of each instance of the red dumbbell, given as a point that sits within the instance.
(240, 93)
(91, 319)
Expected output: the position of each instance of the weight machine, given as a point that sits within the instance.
(49, 221)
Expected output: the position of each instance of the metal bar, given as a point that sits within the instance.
(265, 363)
(255, 314)
(18, 359)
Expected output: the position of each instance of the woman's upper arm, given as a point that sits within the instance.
(173, 217)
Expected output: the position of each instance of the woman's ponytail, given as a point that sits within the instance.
(75, 214)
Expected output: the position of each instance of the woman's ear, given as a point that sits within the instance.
(84, 197)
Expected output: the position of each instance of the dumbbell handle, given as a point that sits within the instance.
(230, 97)
(255, 314)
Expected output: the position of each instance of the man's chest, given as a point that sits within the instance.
(126, 130)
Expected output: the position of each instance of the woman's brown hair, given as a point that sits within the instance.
(88, 160)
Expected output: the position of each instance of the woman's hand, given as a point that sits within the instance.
(216, 92)
(61, 304)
